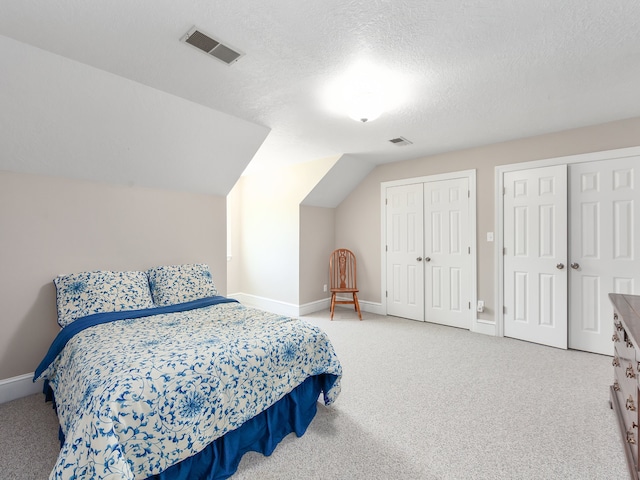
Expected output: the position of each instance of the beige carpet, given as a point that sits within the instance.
(419, 401)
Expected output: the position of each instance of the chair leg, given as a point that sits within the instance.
(333, 304)
(357, 304)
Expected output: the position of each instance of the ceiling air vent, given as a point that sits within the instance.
(400, 141)
(211, 46)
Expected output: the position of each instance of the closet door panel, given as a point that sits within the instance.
(405, 243)
(535, 255)
(447, 252)
(604, 231)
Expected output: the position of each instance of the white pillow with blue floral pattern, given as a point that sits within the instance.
(86, 293)
(172, 284)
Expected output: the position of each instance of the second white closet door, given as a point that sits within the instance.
(604, 230)
(447, 252)
(535, 255)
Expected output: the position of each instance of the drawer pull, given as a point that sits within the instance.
(616, 386)
(618, 326)
(631, 438)
(629, 343)
(615, 362)
(630, 372)
(615, 338)
(629, 405)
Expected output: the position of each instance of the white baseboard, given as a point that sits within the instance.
(316, 306)
(371, 307)
(18, 387)
(365, 306)
(292, 310)
(485, 327)
(281, 308)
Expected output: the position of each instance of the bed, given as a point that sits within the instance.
(154, 375)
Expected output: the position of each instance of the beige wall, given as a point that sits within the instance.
(266, 232)
(50, 226)
(358, 216)
(317, 241)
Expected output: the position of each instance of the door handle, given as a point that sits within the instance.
(560, 266)
(427, 259)
(419, 259)
(575, 266)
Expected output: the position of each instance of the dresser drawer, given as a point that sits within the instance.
(626, 386)
(626, 389)
(622, 342)
(626, 370)
(631, 437)
(626, 361)
(627, 401)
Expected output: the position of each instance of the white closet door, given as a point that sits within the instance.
(405, 241)
(447, 252)
(604, 231)
(535, 256)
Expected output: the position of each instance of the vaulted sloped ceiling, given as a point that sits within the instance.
(63, 118)
(464, 74)
(338, 182)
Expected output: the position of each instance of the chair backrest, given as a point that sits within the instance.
(342, 269)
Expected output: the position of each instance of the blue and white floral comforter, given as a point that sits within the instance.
(136, 396)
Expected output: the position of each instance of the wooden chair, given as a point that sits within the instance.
(342, 271)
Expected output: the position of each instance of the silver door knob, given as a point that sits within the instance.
(427, 259)
(575, 266)
(419, 259)
(560, 266)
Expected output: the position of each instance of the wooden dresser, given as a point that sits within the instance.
(626, 363)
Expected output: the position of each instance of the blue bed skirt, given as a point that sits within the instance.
(220, 459)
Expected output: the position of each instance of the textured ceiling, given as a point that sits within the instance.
(468, 72)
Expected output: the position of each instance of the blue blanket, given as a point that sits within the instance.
(90, 320)
(138, 395)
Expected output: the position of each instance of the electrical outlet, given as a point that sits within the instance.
(480, 307)
(325, 287)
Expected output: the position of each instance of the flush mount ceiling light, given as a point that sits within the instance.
(365, 92)
(364, 102)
